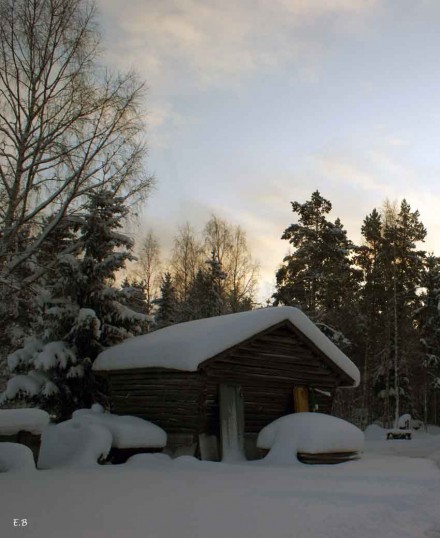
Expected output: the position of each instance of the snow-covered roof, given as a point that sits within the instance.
(186, 345)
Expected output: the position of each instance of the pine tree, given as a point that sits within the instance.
(317, 276)
(428, 318)
(400, 265)
(371, 305)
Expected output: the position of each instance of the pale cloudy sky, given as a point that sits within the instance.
(255, 103)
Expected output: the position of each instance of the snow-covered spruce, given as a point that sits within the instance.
(312, 433)
(78, 312)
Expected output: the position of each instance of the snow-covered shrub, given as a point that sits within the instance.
(312, 433)
(15, 457)
(127, 431)
(73, 444)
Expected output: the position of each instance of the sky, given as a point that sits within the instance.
(252, 104)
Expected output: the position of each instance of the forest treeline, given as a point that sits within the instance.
(379, 301)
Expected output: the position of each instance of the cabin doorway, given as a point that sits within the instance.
(231, 423)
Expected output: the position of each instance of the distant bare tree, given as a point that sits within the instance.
(243, 272)
(218, 238)
(229, 243)
(186, 259)
(67, 128)
(149, 267)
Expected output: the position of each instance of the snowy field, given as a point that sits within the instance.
(386, 494)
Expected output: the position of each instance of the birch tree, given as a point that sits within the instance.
(68, 129)
(149, 268)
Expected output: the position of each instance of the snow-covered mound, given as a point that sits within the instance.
(375, 432)
(312, 433)
(127, 432)
(13, 421)
(15, 457)
(404, 421)
(73, 444)
(148, 460)
(185, 346)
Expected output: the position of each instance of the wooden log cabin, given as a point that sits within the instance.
(213, 384)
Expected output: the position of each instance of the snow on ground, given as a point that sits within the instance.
(384, 496)
(422, 445)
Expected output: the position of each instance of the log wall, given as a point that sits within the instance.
(267, 368)
(170, 399)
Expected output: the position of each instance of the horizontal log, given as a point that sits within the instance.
(177, 412)
(269, 370)
(271, 360)
(158, 388)
(261, 355)
(283, 350)
(291, 380)
(163, 380)
(156, 395)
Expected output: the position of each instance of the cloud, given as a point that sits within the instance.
(342, 170)
(218, 42)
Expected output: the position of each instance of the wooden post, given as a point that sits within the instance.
(232, 423)
(301, 399)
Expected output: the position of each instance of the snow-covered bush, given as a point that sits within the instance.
(91, 433)
(15, 457)
(312, 433)
(73, 444)
(127, 431)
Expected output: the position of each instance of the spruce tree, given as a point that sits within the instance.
(167, 306)
(206, 297)
(82, 311)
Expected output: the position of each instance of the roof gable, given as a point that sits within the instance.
(186, 346)
(280, 346)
